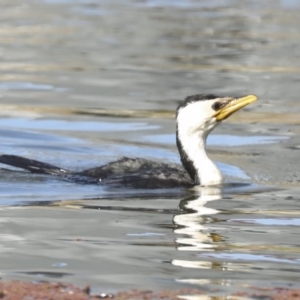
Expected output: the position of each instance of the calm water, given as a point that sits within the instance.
(85, 82)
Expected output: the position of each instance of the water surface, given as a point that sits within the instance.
(86, 82)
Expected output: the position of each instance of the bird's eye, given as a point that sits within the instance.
(216, 106)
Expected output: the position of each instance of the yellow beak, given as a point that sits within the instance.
(233, 106)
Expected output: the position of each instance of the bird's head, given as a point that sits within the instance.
(200, 114)
(197, 116)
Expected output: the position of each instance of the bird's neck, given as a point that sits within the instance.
(199, 166)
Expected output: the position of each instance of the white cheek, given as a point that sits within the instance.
(196, 118)
(211, 124)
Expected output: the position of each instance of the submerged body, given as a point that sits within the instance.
(126, 172)
(196, 117)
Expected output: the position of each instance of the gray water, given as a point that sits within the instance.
(85, 82)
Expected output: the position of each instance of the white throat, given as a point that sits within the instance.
(194, 146)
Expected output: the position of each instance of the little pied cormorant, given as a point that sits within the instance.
(196, 117)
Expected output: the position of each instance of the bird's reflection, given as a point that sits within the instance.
(194, 233)
(193, 222)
